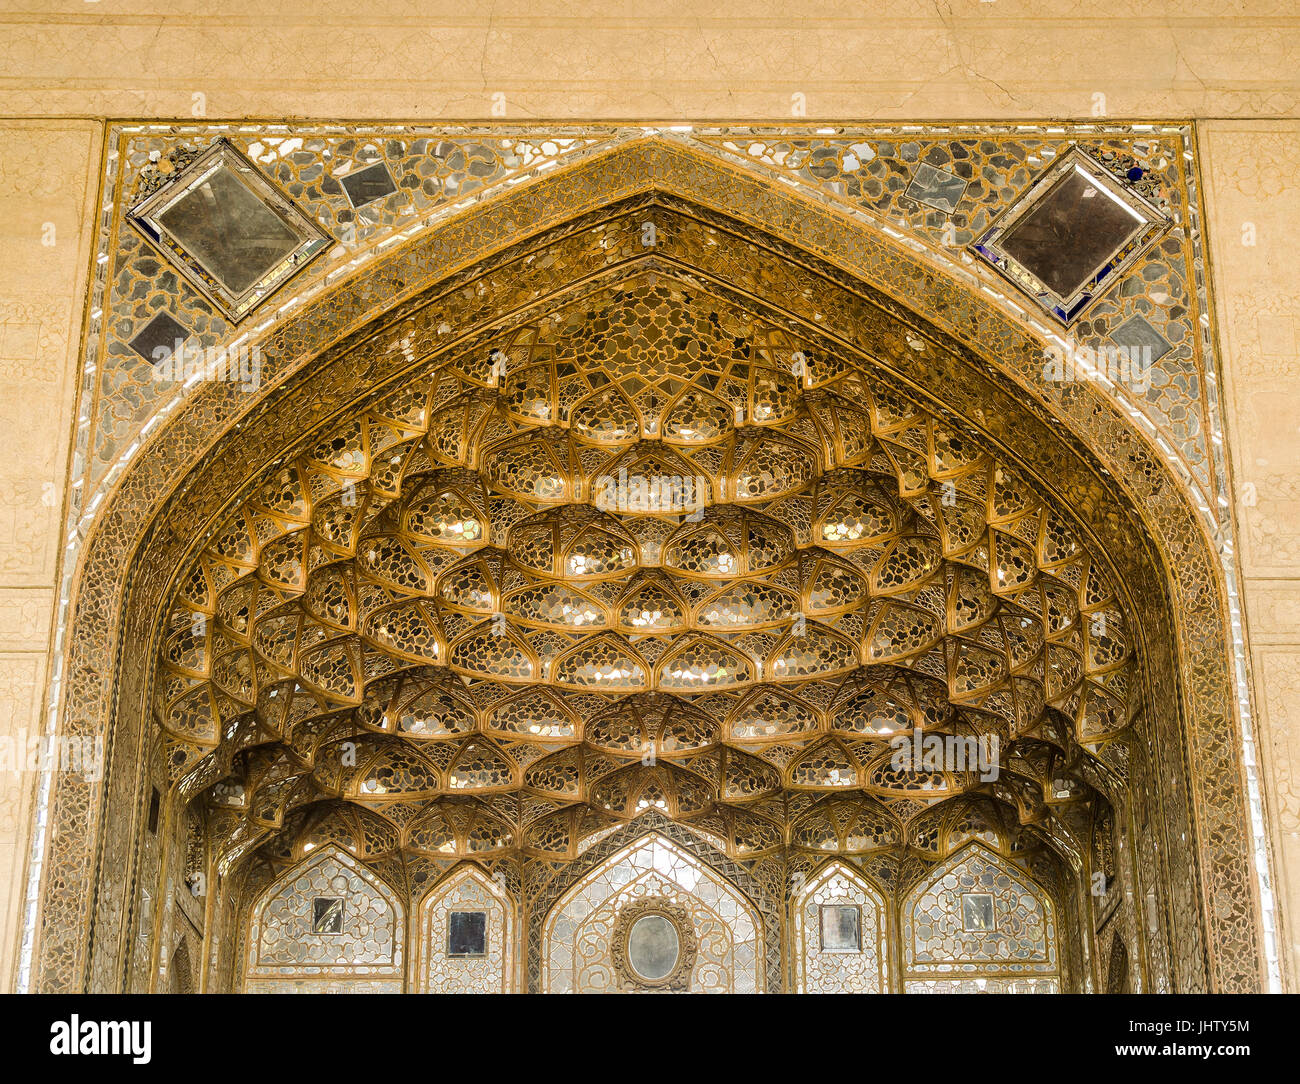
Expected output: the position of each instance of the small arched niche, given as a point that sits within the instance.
(467, 937)
(328, 925)
(840, 940)
(977, 924)
(652, 917)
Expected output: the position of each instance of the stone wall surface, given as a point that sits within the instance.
(1252, 184)
(736, 59)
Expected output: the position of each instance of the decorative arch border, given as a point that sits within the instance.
(765, 902)
(130, 527)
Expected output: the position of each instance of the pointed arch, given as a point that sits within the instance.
(840, 938)
(114, 605)
(326, 925)
(579, 954)
(977, 923)
(467, 936)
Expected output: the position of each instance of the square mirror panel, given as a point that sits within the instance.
(1071, 236)
(368, 184)
(841, 927)
(228, 230)
(160, 338)
(327, 914)
(467, 933)
(977, 912)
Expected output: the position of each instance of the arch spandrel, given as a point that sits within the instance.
(698, 243)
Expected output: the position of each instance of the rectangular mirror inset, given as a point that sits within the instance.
(467, 933)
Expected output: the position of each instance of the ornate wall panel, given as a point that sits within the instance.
(840, 938)
(983, 986)
(446, 968)
(330, 927)
(505, 287)
(974, 916)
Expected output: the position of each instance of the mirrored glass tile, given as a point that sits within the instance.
(159, 338)
(841, 927)
(467, 933)
(223, 225)
(229, 230)
(1071, 234)
(936, 188)
(368, 184)
(1137, 333)
(977, 912)
(327, 914)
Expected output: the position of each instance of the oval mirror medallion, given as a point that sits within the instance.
(653, 947)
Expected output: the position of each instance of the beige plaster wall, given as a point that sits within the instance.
(849, 59)
(66, 64)
(1252, 172)
(47, 193)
